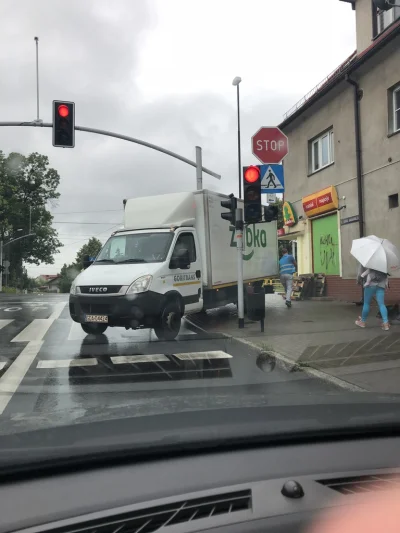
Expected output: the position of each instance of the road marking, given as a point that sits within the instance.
(66, 363)
(203, 355)
(2, 364)
(76, 333)
(132, 359)
(5, 322)
(11, 379)
(37, 329)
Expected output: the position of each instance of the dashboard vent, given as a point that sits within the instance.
(363, 484)
(155, 518)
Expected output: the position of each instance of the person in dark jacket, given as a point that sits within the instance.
(375, 284)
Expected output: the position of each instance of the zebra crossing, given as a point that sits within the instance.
(52, 353)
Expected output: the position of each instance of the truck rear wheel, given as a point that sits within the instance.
(169, 322)
(94, 329)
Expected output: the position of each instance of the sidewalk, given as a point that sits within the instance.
(320, 337)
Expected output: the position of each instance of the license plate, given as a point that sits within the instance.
(99, 319)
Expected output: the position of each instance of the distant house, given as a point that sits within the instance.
(48, 282)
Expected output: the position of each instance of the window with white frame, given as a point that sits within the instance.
(396, 109)
(321, 151)
(385, 18)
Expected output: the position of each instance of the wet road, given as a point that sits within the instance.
(51, 372)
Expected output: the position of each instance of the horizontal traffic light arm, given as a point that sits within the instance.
(39, 124)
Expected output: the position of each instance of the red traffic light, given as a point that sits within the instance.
(63, 110)
(252, 174)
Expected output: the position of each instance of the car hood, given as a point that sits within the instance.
(115, 274)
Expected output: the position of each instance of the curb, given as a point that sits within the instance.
(287, 364)
(290, 366)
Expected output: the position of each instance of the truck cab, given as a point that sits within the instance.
(145, 278)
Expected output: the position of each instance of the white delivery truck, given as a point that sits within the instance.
(174, 256)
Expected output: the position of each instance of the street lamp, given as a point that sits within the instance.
(236, 82)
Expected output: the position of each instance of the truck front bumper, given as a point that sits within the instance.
(133, 310)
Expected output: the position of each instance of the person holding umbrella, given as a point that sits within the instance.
(377, 258)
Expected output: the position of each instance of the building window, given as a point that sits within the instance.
(393, 200)
(321, 151)
(394, 109)
(385, 18)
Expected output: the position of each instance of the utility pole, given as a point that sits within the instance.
(239, 226)
(36, 39)
(199, 171)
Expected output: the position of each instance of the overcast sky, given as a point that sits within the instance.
(161, 71)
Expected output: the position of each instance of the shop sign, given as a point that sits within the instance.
(321, 202)
(289, 215)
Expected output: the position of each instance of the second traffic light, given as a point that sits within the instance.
(63, 124)
(252, 194)
(230, 204)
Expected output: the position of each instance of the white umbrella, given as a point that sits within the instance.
(378, 254)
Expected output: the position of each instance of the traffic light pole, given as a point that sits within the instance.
(37, 124)
(239, 226)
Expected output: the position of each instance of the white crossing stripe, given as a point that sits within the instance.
(5, 322)
(203, 355)
(66, 363)
(2, 364)
(132, 359)
(34, 331)
(37, 329)
(12, 377)
(76, 332)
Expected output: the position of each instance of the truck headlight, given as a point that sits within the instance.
(140, 285)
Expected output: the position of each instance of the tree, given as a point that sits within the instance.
(92, 249)
(67, 275)
(27, 186)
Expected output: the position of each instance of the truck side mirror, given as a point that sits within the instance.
(87, 261)
(180, 259)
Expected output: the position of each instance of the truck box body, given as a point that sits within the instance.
(202, 210)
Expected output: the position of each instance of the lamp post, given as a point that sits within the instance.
(236, 83)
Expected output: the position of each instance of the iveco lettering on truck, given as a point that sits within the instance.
(174, 256)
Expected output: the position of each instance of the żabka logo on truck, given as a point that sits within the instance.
(255, 238)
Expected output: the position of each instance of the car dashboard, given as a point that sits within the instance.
(277, 489)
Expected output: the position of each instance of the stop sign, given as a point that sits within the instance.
(270, 145)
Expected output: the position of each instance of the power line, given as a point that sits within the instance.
(101, 223)
(84, 212)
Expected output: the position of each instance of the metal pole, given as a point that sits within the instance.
(30, 219)
(37, 76)
(1, 264)
(199, 172)
(117, 136)
(239, 145)
(239, 246)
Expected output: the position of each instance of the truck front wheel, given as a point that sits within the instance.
(169, 322)
(94, 329)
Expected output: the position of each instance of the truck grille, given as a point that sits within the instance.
(100, 289)
(96, 309)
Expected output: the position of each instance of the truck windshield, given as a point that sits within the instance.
(136, 248)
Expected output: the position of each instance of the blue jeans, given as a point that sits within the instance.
(379, 293)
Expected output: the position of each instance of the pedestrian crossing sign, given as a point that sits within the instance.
(272, 178)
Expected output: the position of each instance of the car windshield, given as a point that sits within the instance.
(136, 247)
(199, 215)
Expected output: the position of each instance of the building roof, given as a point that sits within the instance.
(48, 277)
(351, 64)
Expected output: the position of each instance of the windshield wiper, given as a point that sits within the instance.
(132, 261)
(105, 261)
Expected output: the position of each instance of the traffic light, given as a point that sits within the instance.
(63, 124)
(252, 194)
(230, 204)
(271, 213)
